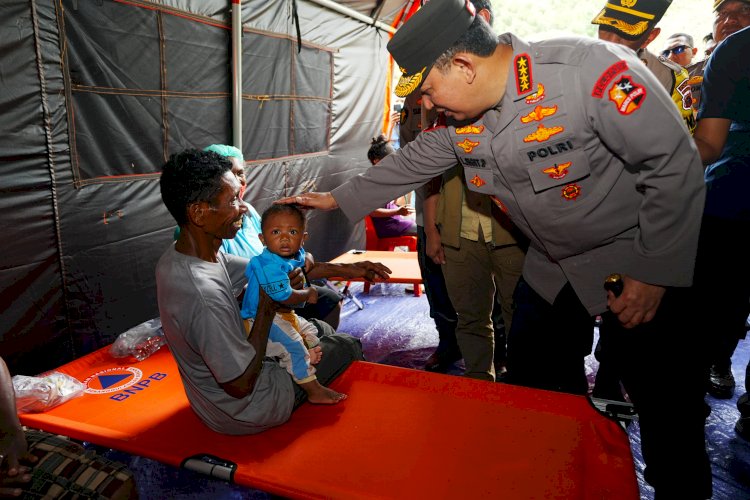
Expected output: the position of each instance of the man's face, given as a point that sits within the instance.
(283, 234)
(682, 54)
(224, 216)
(732, 16)
(238, 169)
(448, 92)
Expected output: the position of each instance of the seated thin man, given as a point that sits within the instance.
(230, 384)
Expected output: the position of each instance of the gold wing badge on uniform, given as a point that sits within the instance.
(408, 83)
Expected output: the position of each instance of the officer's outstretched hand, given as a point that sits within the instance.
(321, 201)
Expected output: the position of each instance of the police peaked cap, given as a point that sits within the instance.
(717, 3)
(630, 19)
(427, 34)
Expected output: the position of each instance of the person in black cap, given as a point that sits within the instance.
(634, 25)
(553, 131)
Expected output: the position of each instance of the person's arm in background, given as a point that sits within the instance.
(370, 271)
(433, 243)
(710, 136)
(405, 210)
(13, 448)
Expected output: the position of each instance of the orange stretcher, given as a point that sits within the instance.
(402, 433)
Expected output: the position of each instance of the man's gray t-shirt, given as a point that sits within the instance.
(201, 320)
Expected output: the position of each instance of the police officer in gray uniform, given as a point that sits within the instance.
(553, 130)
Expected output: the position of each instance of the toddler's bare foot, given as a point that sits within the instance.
(321, 395)
(316, 353)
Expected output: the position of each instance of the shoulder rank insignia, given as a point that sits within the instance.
(539, 113)
(601, 84)
(627, 94)
(524, 78)
(536, 96)
(470, 129)
(558, 171)
(543, 133)
(467, 145)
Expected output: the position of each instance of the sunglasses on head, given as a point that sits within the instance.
(676, 50)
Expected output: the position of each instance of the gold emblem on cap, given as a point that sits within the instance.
(628, 3)
(408, 83)
(636, 29)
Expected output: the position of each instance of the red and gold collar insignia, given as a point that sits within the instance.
(558, 171)
(477, 181)
(467, 145)
(627, 94)
(539, 113)
(470, 129)
(543, 133)
(536, 96)
(571, 191)
(524, 78)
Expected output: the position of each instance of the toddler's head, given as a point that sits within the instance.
(283, 229)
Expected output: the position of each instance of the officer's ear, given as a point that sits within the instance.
(466, 65)
(651, 36)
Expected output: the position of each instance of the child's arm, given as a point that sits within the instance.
(309, 295)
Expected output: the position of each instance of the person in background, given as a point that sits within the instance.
(396, 218)
(412, 121)
(482, 255)
(292, 339)
(636, 28)
(695, 70)
(231, 386)
(571, 167)
(327, 310)
(680, 48)
(31, 461)
(726, 193)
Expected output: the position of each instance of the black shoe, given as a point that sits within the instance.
(721, 383)
(441, 361)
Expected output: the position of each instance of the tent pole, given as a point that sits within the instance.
(329, 4)
(237, 73)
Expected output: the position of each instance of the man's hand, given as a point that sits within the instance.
(321, 201)
(370, 271)
(406, 210)
(312, 295)
(309, 262)
(297, 278)
(434, 248)
(13, 475)
(637, 303)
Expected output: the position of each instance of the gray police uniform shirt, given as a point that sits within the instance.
(565, 155)
(202, 325)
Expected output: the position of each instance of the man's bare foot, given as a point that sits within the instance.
(321, 395)
(316, 353)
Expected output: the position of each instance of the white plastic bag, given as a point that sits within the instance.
(38, 394)
(141, 341)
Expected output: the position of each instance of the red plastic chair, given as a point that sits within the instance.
(389, 244)
(386, 244)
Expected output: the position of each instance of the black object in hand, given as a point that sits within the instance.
(613, 283)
